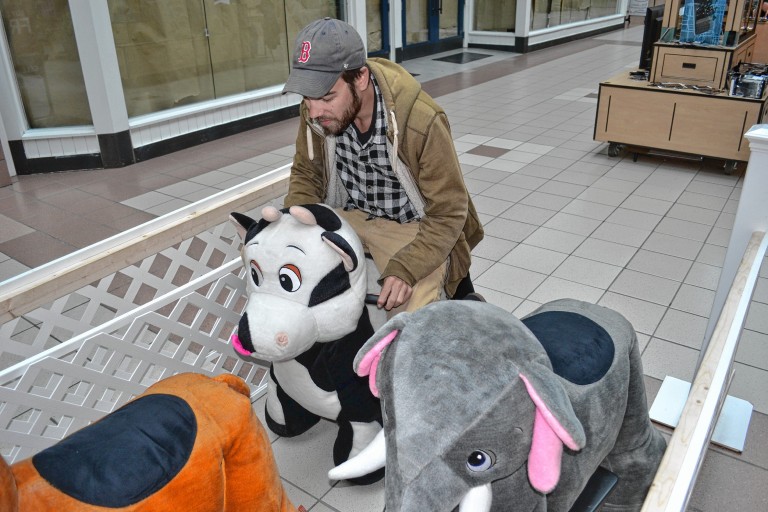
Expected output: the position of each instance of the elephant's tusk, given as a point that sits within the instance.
(478, 499)
(370, 458)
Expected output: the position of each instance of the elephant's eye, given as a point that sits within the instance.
(256, 274)
(479, 460)
(290, 277)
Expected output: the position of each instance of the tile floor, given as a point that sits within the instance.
(562, 218)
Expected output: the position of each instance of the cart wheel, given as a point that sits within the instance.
(730, 166)
(614, 149)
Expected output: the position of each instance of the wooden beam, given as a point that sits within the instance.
(65, 275)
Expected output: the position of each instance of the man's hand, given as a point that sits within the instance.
(394, 292)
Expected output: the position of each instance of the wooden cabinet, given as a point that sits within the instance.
(634, 113)
(744, 53)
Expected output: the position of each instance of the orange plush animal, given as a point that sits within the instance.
(190, 443)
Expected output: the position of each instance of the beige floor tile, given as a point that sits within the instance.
(663, 358)
(537, 259)
(643, 315)
(511, 280)
(661, 265)
(587, 272)
(606, 252)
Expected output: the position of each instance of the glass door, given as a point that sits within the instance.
(431, 26)
(444, 20)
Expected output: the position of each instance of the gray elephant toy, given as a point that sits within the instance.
(483, 411)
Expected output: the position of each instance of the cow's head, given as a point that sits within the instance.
(306, 280)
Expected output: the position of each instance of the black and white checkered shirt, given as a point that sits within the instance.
(366, 171)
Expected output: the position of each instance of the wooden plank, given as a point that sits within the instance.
(671, 10)
(675, 479)
(733, 17)
(58, 278)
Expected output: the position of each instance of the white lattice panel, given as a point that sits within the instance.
(115, 295)
(61, 389)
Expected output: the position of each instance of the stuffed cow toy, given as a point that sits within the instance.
(189, 443)
(483, 411)
(306, 315)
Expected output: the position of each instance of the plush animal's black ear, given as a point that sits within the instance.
(242, 223)
(341, 246)
(325, 217)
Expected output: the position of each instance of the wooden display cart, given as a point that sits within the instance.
(635, 113)
(684, 105)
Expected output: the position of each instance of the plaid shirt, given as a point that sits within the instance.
(366, 172)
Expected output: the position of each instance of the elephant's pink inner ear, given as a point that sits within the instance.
(545, 457)
(370, 361)
(546, 414)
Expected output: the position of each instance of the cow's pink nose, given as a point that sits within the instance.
(281, 339)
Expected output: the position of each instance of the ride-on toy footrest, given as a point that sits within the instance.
(598, 488)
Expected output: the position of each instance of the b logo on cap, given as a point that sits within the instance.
(304, 55)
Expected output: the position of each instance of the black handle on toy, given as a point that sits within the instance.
(371, 298)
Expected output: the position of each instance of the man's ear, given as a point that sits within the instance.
(363, 80)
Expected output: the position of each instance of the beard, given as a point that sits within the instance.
(337, 126)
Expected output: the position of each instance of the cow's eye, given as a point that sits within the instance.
(479, 460)
(290, 278)
(256, 274)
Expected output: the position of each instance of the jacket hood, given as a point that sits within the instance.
(397, 88)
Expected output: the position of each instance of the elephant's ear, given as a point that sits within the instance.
(367, 360)
(554, 425)
(369, 364)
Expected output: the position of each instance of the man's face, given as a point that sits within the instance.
(336, 110)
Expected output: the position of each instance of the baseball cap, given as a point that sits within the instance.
(324, 49)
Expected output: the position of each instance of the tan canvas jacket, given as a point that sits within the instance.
(427, 167)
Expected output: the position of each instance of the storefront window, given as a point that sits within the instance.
(373, 13)
(178, 52)
(495, 15)
(46, 61)
(551, 13)
(417, 28)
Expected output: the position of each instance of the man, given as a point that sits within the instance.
(373, 145)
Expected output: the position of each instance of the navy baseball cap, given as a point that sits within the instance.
(324, 49)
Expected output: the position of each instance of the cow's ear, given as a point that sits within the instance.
(341, 246)
(242, 223)
(322, 215)
(271, 214)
